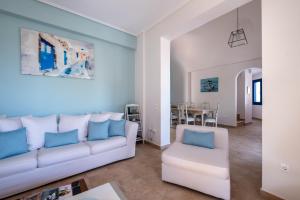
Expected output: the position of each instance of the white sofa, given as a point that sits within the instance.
(39, 167)
(201, 169)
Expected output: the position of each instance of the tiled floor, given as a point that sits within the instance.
(139, 178)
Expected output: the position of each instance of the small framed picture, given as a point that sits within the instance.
(209, 85)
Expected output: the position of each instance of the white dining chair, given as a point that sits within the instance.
(174, 118)
(183, 114)
(193, 104)
(214, 118)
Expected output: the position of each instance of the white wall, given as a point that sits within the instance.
(165, 88)
(139, 55)
(140, 77)
(248, 96)
(245, 108)
(194, 14)
(241, 95)
(179, 82)
(281, 108)
(227, 95)
(257, 109)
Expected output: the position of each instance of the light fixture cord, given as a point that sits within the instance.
(237, 19)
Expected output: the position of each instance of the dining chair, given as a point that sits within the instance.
(183, 114)
(197, 115)
(193, 104)
(174, 117)
(214, 118)
(198, 118)
(180, 113)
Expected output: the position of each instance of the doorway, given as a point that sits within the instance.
(247, 93)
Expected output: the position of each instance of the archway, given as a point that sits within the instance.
(245, 110)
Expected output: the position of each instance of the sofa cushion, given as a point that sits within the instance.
(106, 145)
(60, 139)
(61, 154)
(18, 164)
(72, 122)
(213, 162)
(36, 128)
(221, 134)
(114, 115)
(10, 124)
(98, 130)
(116, 128)
(13, 143)
(199, 138)
(102, 117)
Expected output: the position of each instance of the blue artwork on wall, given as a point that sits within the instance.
(50, 55)
(210, 85)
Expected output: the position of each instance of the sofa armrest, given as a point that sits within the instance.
(131, 129)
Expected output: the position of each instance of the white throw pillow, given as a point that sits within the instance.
(10, 124)
(72, 122)
(100, 117)
(36, 128)
(114, 115)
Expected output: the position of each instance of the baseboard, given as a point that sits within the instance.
(256, 118)
(225, 126)
(152, 144)
(156, 146)
(164, 147)
(269, 196)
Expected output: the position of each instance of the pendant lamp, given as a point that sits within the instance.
(238, 36)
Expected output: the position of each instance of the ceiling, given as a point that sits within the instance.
(131, 16)
(206, 46)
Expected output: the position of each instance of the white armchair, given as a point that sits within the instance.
(201, 169)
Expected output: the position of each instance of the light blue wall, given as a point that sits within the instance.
(111, 89)
(34, 10)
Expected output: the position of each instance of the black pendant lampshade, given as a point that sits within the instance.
(237, 37)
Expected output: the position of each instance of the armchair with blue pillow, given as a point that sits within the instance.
(198, 159)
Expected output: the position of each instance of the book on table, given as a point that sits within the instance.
(60, 193)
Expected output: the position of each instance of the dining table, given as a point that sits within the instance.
(196, 111)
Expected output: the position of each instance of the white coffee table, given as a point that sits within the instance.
(108, 191)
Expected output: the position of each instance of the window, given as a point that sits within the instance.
(43, 47)
(48, 49)
(257, 92)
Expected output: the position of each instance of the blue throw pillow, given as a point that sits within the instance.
(13, 143)
(116, 128)
(199, 138)
(60, 139)
(98, 130)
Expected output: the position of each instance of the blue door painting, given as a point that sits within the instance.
(47, 55)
